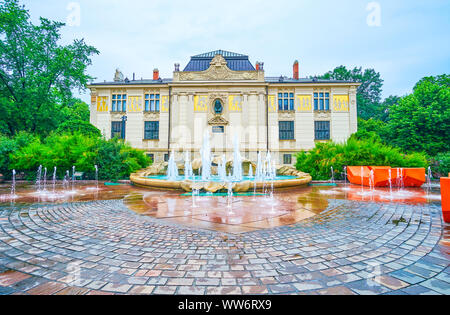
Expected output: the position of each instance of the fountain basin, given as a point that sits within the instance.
(215, 184)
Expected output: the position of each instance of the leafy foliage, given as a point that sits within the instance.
(441, 165)
(10, 145)
(83, 127)
(116, 160)
(421, 121)
(37, 74)
(368, 94)
(355, 152)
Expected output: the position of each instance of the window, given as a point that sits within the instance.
(218, 129)
(152, 102)
(119, 103)
(322, 101)
(151, 130)
(116, 129)
(322, 130)
(285, 101)
(152, 156)
(166, 157)
(287, 159)
(218, 107)
(287, 130)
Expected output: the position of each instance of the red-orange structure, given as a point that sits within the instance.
(408, 177)
(445, 193)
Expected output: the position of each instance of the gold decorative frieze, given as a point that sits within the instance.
(235, 103)
(164, 104)
(135, 104)
(304, 103)
(272, 104)
(341, 103)
(102, 104)
(200, 103)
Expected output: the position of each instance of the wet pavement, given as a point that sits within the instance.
(316, 240)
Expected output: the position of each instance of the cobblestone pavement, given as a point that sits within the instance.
(104, 248)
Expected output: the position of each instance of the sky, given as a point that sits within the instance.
(404, 40)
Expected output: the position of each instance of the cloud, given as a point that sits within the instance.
(139, 35)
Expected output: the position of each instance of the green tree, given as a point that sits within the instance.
(368, 94)
(75, 109)
(36, 71)
(421, 120)
(386, 106)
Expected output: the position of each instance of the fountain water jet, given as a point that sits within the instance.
(172, 170)
(237, 161)
(206, 158)
(45, 179)
(13, 185)
(54, 179)
(188, 172)
(38, 178)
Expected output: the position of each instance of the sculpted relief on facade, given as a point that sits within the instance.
(219, 71)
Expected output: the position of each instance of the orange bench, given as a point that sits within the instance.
(445, 193)
(412, 177)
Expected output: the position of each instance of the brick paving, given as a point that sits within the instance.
(102, 247)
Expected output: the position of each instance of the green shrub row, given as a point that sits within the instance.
(355, 152)
(115, 159)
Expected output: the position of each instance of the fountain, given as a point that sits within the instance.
(172, 170)
(38, 178)
(188, 172)
(230, 195)
(66, 180)
(372, 179)
(429, 177)
(237, 162)
(265, 177)
(206, 158)
(45, 179)
(73, 178)
(332, 175)
(96, 175)
(13, 184)
(345, 175)
(54, 180)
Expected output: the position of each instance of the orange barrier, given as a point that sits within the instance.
(445, 193)
(354, 175)
(381, 176)
(412, 177)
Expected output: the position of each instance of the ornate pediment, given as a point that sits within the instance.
(217, 121)
(219, 71)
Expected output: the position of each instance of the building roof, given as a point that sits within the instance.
(287, 80)
(134, 82)
(236, 62)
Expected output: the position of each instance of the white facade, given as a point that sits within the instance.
(251, 112)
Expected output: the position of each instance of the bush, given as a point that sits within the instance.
(355, 152)
(10, 145)
(115, 159)
(441, 166)
(80, 126)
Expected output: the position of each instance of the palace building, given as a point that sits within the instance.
(224, 94)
